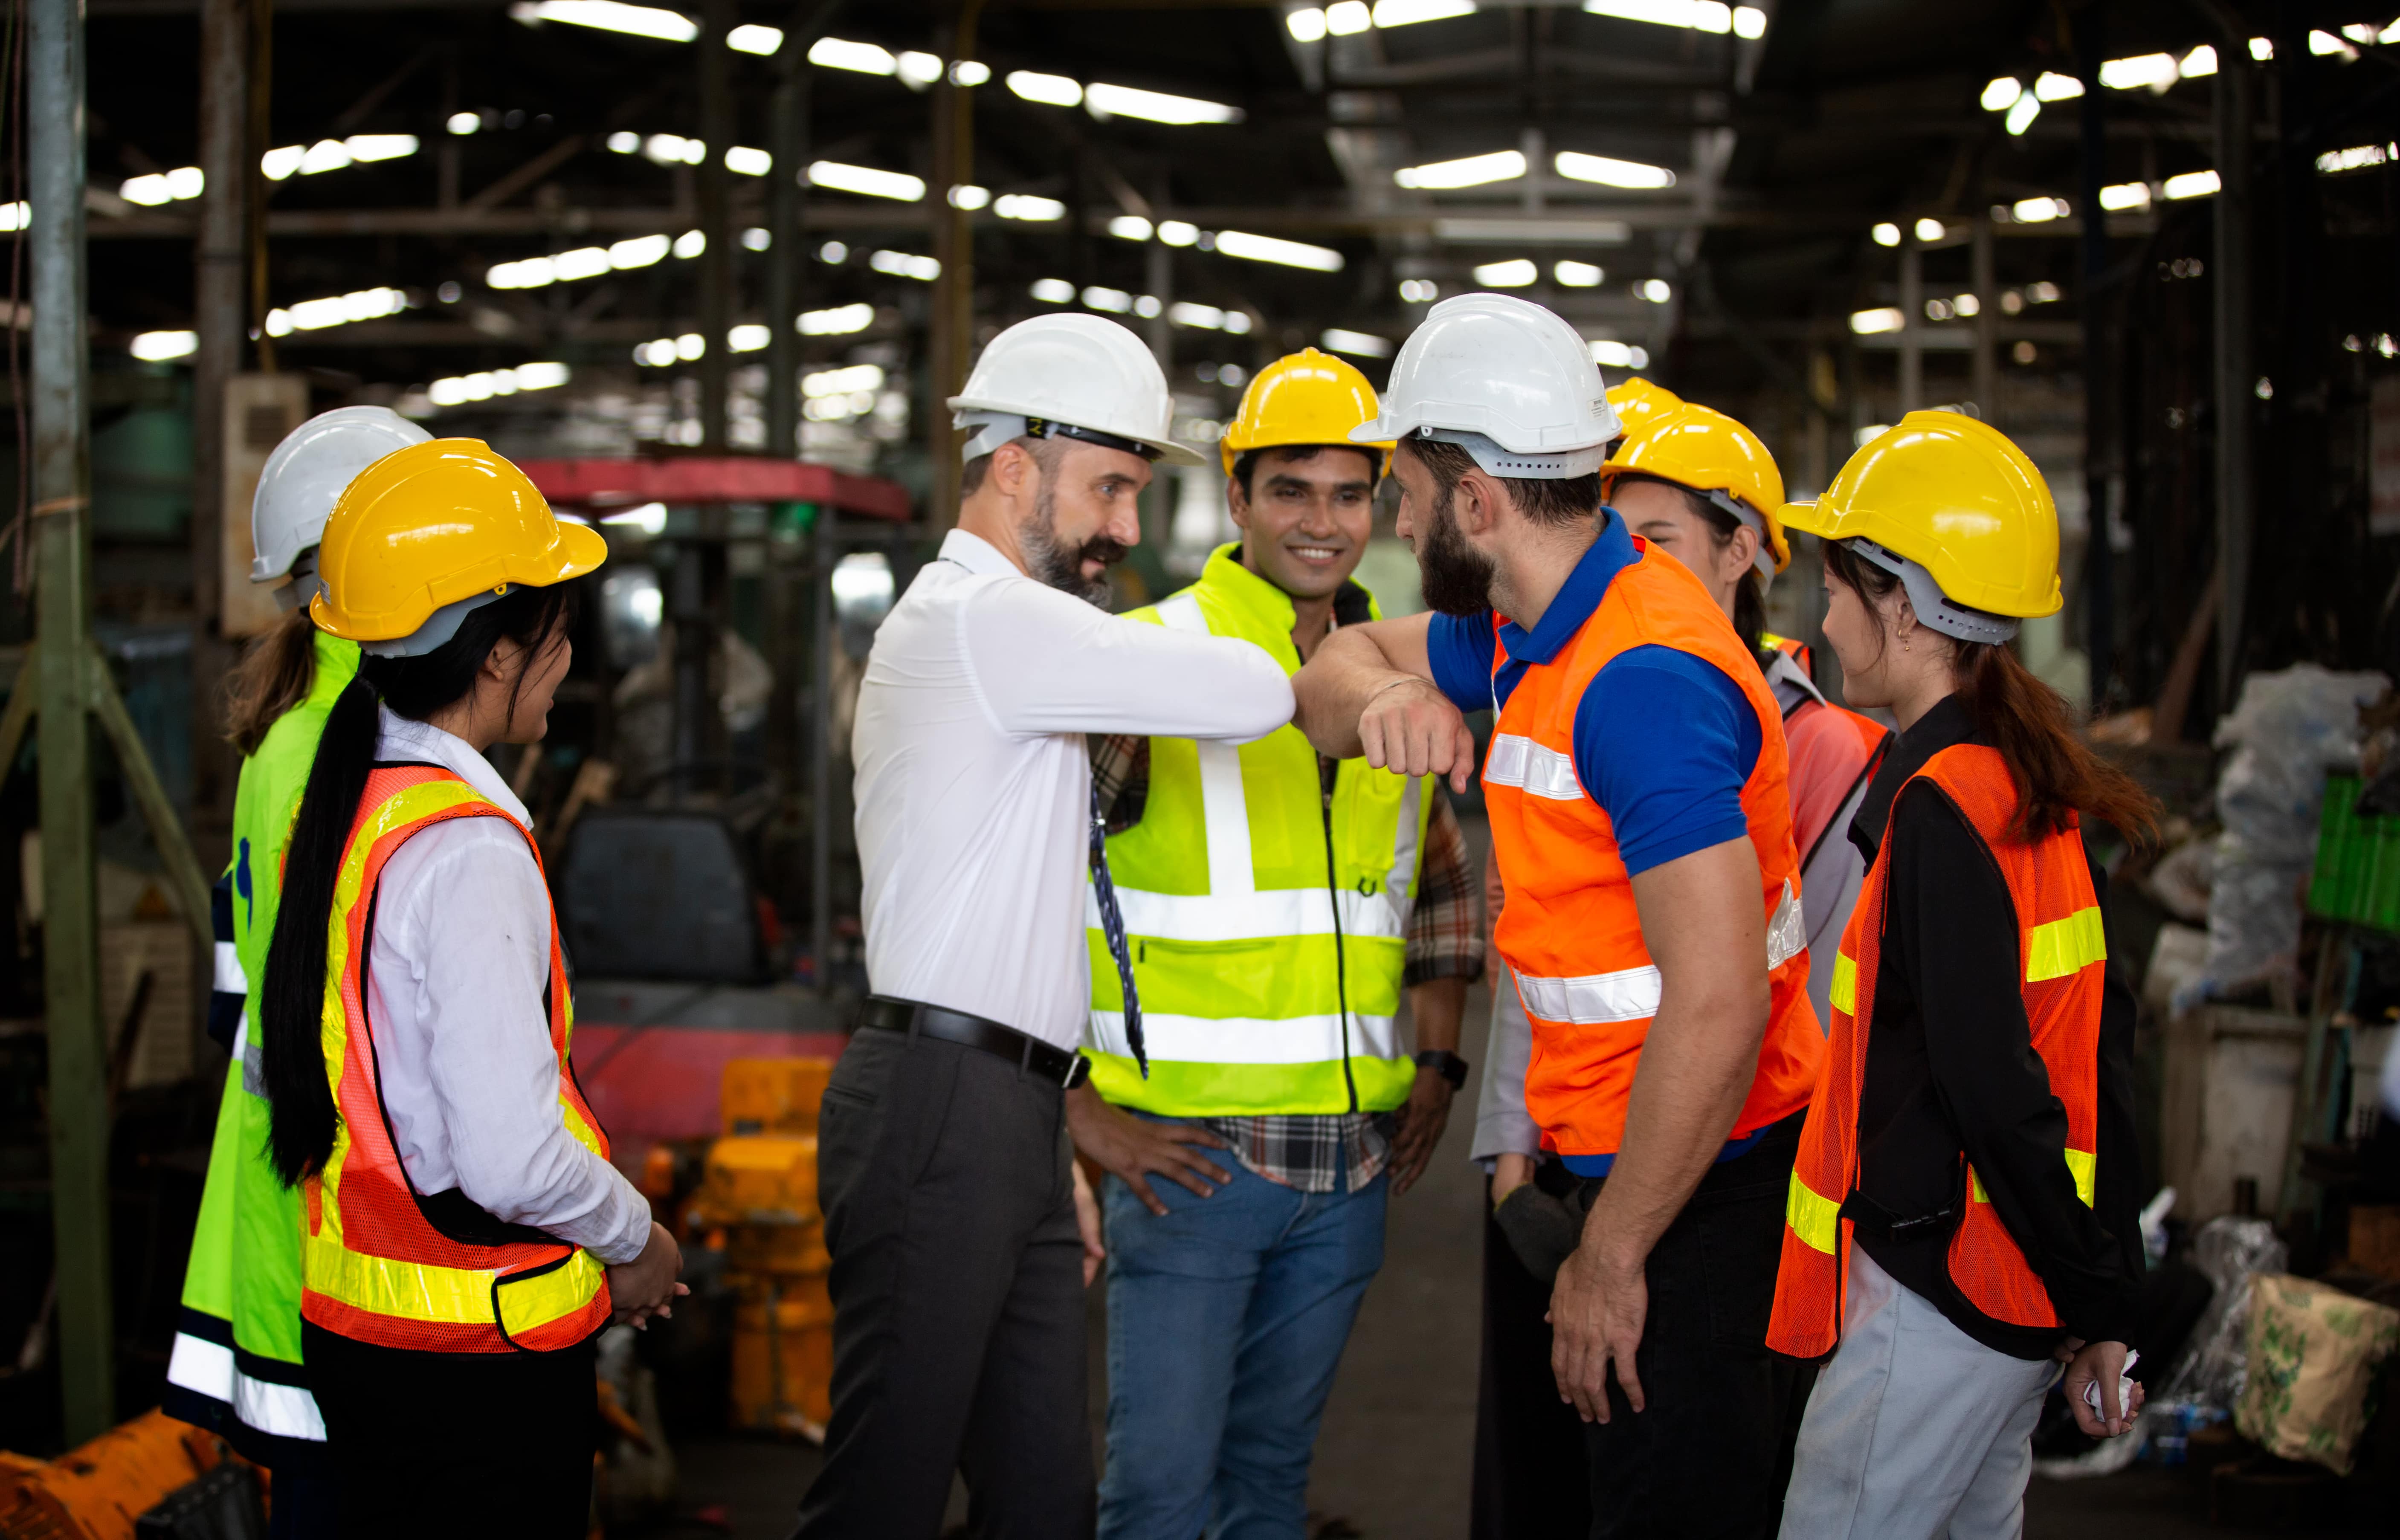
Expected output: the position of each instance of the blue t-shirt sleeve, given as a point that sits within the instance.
(1459, 647)
(1664, 743)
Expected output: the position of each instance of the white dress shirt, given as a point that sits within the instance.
(973, 784)
(455, 981)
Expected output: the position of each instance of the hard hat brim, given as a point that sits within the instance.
(1169, 452)
(579, 549)
(1807, 518)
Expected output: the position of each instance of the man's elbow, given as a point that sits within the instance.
(1266, 698)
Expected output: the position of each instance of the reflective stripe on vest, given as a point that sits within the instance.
(1265, 987)
(2064, 954)
(1569, 928)
(374, 1267)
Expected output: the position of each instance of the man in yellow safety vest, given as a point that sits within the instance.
(1278, 906)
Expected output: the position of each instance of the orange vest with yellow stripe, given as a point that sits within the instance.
(2064, 952)
(1569, 928)
(374, 1266)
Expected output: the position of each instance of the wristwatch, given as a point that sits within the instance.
(1448, 1065)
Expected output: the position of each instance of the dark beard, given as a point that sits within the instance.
(1456, 576)
(1053, 563)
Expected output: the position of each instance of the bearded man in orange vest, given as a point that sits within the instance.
(1636, 787)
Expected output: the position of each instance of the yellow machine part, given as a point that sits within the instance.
(773, 1096)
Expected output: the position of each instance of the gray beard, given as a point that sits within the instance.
(1052, 562)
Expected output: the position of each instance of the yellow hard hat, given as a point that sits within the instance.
(1306, 396)
(1711, 453)
(433, 526)
(1955, 498)
(1634, 399)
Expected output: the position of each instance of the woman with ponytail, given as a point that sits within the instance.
(235, 1368)
(1962, 1213)
(463, 1239)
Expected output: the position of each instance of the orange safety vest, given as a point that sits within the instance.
(1793, 649)
(2064, 953)
(1570, 929)
(374, 1266)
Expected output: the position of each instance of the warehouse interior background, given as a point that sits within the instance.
(709, 274)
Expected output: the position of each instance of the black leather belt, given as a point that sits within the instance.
(1031, 1055)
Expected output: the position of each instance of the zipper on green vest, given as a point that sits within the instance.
(1326, 771)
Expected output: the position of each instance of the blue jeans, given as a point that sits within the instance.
(1226, 1319)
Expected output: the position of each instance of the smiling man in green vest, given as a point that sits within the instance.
(1278, 907)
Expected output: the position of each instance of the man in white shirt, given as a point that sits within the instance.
(953, 1204)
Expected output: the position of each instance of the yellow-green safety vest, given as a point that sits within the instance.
(1250, 1003)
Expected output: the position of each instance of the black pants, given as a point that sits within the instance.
(958, 1294)
(1711, 1453)
(1530, 1482)
(460, 1444)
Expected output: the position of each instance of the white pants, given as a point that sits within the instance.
(1914, 1430)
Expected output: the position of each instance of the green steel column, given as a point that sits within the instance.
(62, 549)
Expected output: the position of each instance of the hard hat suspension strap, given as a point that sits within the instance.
(1934, 607)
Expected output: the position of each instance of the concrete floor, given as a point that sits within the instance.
(1392, 1460)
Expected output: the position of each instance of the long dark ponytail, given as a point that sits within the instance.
(291, 1013)
(2056, 774)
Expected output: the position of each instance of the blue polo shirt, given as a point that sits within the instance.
(1664, 740)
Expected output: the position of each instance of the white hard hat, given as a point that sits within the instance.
(308, 471)
(1072, 375)
(1505, 380)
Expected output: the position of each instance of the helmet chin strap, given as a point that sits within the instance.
(1935, 608)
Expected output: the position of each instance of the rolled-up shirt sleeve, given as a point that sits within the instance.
(482, 973)
(1045, 661)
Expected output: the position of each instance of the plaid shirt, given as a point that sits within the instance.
(1311, 1152)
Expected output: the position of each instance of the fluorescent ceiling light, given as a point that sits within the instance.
(609, 16)
(2039, 211)
(1289, 253)
(2125, 195)
(839, 53)
(674, 149)
(2357, 158)
(1116, 302)
(2000, 94)
(1472, 170)
(842, 382)
(463, 123)
(2021, 116)
(1696, 15)
(1207, 318)
(1515, 273)
(689, 244)
(1408, 13)
(315, 315)
(1105, 101)
(2326, 43)
(1609, 172)
(1053, 290)
(1051, 90)
(924, 269)
(1306, 25)
(747, 338)
(638, 251)
(1365, 345)
(970, 196)
(1885, 234)
(1577, 275)
(2190, 185)
(1749, 22)
(158, 346)
(750, 37)
(2263, 50)
(625, 141)
(527, 273)
(1967, 306)
(969, 72)
(919, 70)
(2199, 61)
(1344, 17)
(581, 262)
(747, 160)
(1887, 317)
(1657, 290)
(369, 147)
(755, 239)
(175, 186)
(2149, 71)
(1129, 227)
(1930, 230)
(866, 180)
(1617, 355)
(1028, 207)
(649, 518)
(840, 321)
(2049, 86)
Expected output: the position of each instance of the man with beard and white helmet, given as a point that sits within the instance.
(1636, 787)
(962, 1234)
